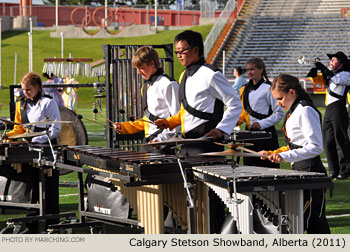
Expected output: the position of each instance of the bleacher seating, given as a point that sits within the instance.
(280, 31)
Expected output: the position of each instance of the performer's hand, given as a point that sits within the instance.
(4, 138)
(312, 73)
(117, 126)
(275, 158)
(216, 134)
(320, 66)
(265, 153)
(255, 126)
(161, 123)
(154, 141)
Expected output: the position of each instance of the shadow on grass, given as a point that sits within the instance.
(339, 225)
(9, 34)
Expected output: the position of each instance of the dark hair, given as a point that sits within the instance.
(259, 63)
(46, 75)
(32, 79)
(285, 82)
(145, 55)
(240, 70)
(192, 38)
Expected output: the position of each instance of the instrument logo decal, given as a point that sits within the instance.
(77, 156)
(102, 210)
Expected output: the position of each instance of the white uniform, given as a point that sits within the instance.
(162, 102)
(44, 108)
(335, 136)
(202, 89)
(261, 100)
(338, 84)
(303, 129)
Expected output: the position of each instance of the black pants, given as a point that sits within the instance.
(315, 221)
(259, 145)
(336, 140)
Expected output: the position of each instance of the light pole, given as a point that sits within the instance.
(105, 21)
(0, 55)
(56, 13)
(155, 15)
(30, 56)
(62, 45)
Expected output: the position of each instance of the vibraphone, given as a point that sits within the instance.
(148, 180)
(276, 193)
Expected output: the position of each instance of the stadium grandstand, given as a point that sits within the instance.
(280, 31)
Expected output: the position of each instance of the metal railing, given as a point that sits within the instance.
(218, 27)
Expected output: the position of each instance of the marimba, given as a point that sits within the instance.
(276, 193)
(148, 180)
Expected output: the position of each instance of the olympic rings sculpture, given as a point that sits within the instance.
(98, 18)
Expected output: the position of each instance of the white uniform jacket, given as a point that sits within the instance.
(338, 85)
(163, 102)
(260, 101)
(45, 108)
(202, 89)
(303, 129)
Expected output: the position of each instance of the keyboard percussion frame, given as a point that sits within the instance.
(281, 189)
(12, 156)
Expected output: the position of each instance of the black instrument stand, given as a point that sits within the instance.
(234, 199)
(14, 224)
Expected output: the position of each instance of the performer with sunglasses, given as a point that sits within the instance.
(204, 91)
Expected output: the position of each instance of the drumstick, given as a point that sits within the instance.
(99, 113)
(250, 151)
(254, 152)
(122, 111)
(93, 121)
(146, 121)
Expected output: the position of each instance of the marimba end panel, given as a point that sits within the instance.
(150, 208)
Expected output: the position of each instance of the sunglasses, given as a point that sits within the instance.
(182, 51)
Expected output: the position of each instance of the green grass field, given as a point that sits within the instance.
(45, 47)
